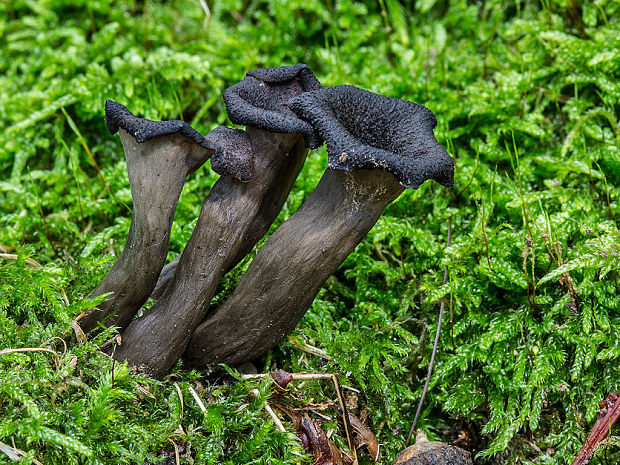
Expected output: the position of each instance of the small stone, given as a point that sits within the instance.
(425, 452)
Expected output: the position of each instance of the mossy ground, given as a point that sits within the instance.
(526, 94)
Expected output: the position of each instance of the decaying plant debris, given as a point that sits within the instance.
(310, 431)
(608, 414)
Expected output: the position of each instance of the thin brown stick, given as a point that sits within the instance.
(576, 415)
(79, 194)
(341, 400)
(345, 415)
(435, 343)
(13, 256)
(610, 412)
(470, 179)
(47, 229)
(32, 349)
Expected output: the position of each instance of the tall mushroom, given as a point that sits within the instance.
(159, 155)
(260, 101)
(377, 146)
(234, 216)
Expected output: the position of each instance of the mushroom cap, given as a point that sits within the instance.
(118, 116)
(366, 130)
(233, 153)
(260, 100)
(232, 148)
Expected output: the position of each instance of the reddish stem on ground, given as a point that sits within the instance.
(609, 413)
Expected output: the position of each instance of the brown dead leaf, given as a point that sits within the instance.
(79, 333)
(168, 456)
(313, 438)
(352, 401)
(281, 378)
(312, 406)
(365, 437)
(199, 387)
(337, 454)
(145, 391)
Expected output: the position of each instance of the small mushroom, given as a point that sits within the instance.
(234, 216)
(425, 452)
(159, 155)
(376, 146)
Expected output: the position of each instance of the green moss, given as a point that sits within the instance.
(526, 96)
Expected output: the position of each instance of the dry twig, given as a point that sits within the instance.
(431, 363)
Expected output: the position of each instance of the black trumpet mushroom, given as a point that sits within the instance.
(159, 155)
(260, 101)
(234, 216)
(377, 146)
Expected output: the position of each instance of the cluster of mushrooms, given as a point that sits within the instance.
(377, 146)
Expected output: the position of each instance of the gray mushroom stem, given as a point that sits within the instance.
(166, 275)
(271, 201)
(288, 271)
(234, 217)
(157, 170)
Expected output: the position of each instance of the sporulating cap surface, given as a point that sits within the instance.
(261, 99)
(365, 130)
(233, 153)
(118, 116)
(232, 148)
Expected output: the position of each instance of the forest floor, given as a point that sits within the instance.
(526, 95)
